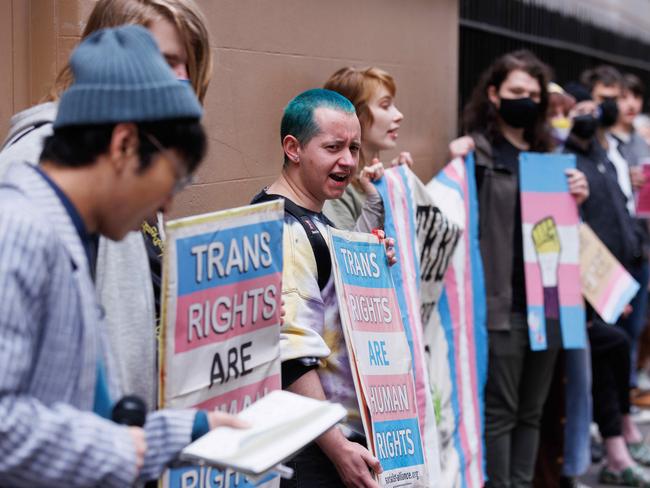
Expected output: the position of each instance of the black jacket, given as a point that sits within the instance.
(605, 210)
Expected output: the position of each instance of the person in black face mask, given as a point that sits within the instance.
(608, 114)
(506, 115)
(606, 213)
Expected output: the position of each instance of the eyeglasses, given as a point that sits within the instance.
(182, 180)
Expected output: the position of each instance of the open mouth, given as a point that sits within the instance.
(393, 132)
(339, 177)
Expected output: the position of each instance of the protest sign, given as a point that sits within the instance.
(379, 356)
(549, 214)
(220, 322)
(399, 189)
(456, 330)
(643, 195)
(606, 285)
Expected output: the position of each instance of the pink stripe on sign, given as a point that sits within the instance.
(534, 289)
(536, 206)
(390, 397)
(217, 314)
(570, 287)
(569, 290)
(236, 400)
(409, 276)
(453, 175)
(453, 298)
(612, 281)
(373, 309)
(471, 342)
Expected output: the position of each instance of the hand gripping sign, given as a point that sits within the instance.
(380, 357)
(220, 323)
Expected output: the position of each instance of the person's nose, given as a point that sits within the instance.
(348, 159)
(398, 116)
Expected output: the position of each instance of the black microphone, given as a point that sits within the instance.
(130, 410)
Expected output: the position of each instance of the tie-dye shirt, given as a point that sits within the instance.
(312, 324)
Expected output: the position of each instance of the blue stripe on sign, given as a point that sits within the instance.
(544, 172)
(478, 292)
(208, 477)
(396, 269)
(398, 443)
(626, 297)
(447, 181)
(537, 327)
(448, 328)
(573, 327)
(361, 263)
(412, 227)
(228, 256)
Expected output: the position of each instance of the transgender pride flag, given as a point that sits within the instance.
(456, 331)
(550, 224)
(397, 189)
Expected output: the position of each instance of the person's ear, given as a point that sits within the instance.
(123, 146)
(493, 96)
(291, 147)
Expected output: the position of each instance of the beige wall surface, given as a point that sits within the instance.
(267, 51)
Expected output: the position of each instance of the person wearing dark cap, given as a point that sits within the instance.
(127, 136)
(128, 272)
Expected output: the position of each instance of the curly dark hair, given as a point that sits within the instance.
(480, 115)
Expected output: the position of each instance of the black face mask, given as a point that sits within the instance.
(584, 126)
(520, 113)
(608, 112)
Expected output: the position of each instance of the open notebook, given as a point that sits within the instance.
(282, 424)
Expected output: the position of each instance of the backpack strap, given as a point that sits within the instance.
(316, 239)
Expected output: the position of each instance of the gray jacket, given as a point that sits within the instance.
(633, 148)
(497, 198)
(123, 277)
(52, 334)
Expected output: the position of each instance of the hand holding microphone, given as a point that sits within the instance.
(132, 411)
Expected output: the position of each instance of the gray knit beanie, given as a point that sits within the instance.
(120, 76)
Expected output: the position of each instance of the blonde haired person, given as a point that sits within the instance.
(186, 48)
(372, 92)
(122, 273)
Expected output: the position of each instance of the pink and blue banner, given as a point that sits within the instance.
(457, 329)
(606, 284)
(380, 358)
(398, 189)
(220, 324)
(550, 229)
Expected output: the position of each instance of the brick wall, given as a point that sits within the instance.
(266, 51)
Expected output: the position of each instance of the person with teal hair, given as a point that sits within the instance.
(298, 118)
(321, 140)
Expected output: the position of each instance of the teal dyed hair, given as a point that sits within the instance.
(298, 118)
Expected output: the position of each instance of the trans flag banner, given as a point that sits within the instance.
(550, 229)
(220, 320)
(405, 200)
(455, 328)
(379, 358)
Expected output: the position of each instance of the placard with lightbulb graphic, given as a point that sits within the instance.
(550, 229)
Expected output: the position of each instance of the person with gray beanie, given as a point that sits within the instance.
(126, 138)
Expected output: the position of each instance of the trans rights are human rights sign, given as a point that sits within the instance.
(380, 357)
(220, 321)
